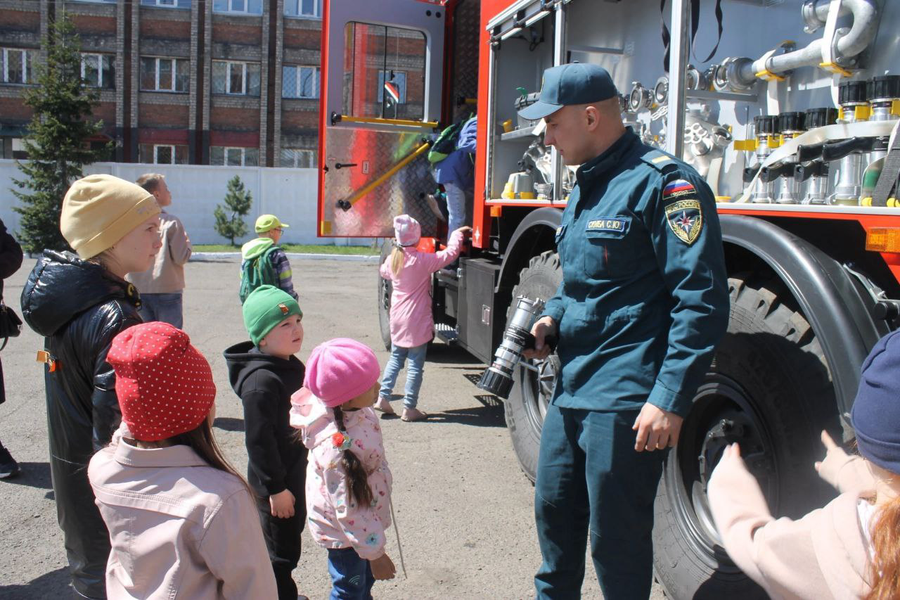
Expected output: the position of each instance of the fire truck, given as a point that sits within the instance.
(786, 107)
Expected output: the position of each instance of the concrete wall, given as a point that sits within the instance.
(290, 194)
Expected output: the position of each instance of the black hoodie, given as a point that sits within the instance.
(276, 458)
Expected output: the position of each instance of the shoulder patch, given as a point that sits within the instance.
(678, 189)
(659, 160)
(685, 218)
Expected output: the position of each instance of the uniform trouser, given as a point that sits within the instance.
(590, 480)
(283, 535)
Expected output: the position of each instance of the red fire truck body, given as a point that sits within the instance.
(791, 136)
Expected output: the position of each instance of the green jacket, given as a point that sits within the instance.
(644, 297)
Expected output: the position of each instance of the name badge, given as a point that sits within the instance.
(612, 225)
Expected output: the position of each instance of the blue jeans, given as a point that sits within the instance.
(456, 206)
(591, 482)
(162, 307)
(351, 576)
(413, 374)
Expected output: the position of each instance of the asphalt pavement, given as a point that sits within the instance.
(464, 509)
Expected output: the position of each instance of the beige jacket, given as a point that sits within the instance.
(822, 555)
(178, 528)
(167, 273)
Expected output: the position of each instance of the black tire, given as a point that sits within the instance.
(384, 298)
(769, 389)
(532, 389)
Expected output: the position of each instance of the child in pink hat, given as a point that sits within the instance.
(348, 482)
(412, 323)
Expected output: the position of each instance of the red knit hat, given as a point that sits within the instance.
(165, 386)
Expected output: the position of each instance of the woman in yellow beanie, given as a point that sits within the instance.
(79, 302)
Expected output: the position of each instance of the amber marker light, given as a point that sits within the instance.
(883, 239)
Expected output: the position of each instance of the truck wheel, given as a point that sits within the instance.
(384, 298)
(769, 390)
(533, 381)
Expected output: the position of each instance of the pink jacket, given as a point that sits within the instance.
(335, 521)
(412, 323)
(178, 527)
(822, 555)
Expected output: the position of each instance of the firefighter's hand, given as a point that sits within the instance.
(657, 429)
(542, 328)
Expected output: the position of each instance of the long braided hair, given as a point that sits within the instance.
(353, 467)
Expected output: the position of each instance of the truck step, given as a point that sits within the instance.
(449, 334)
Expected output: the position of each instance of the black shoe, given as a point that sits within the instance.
(9, 468)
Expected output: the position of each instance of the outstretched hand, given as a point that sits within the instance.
(656, 428)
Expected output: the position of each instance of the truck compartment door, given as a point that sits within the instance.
(379, 106)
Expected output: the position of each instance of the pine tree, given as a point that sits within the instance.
(57, 139)
(239, 201)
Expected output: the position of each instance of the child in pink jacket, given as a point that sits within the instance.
(348, 482)
(412, 324)
(849, 548)
(182, 523)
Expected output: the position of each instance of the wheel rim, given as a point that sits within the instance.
(722, 414)
(538, 379)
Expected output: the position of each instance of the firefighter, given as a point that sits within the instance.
(642, 304)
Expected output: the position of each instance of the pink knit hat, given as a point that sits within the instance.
(165, 386)
(339, 370)
(407, 230)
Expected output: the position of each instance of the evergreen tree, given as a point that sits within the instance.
(57, 139)
(238, 200)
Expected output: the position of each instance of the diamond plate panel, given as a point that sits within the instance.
(372, 153)
(467, 20)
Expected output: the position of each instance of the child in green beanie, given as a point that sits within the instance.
(264, 372)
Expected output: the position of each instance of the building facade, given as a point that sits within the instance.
(218, 82)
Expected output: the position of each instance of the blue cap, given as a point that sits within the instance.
(574, 83)
(876, 410)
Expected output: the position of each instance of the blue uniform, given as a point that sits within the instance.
(642, 305)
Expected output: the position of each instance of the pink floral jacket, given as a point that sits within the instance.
(335, 520)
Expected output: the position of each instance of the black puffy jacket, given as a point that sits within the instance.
(79, 307)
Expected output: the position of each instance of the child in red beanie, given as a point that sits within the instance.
(180, 519)
(348, 482)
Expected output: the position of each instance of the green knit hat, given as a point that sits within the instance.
(266, 307)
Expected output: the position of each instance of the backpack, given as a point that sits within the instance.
(256, 272)
(445, 143)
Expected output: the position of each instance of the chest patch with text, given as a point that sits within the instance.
(612, 225)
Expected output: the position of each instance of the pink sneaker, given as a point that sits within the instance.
(384, 405)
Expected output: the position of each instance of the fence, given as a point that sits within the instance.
(290, 194)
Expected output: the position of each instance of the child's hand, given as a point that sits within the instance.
(464, 230)
(383, 567)
(282, 504)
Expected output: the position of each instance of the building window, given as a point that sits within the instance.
(298, 158)
(165, 3)
(394, 86)
(16, 65)
(99, 70)
(163, 154)
(165, 74)
(98, 1)
(237, 78)
(303, 8)
(241, 7)
(233, 157)
(300, 82)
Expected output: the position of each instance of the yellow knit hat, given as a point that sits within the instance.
(99, 210)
